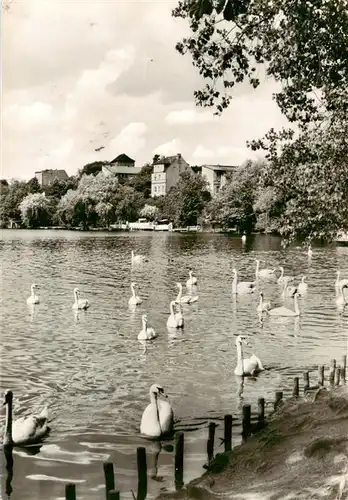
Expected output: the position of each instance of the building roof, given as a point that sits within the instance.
(56, 171)
(222, 168)
(116, 169)
(122, 158)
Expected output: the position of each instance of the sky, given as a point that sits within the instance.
(79, 75)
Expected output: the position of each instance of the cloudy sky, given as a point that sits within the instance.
(81, 74)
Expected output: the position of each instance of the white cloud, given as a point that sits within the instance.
(226, 155)
(25, 117)
(189, 117)
(130, 140)
(169, 148)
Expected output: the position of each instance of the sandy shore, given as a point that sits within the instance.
(302, 454)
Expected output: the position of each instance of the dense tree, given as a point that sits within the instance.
(234, 204)
(185, 201)
(59, 188)
(10, 199)
(302, 44)
(34, 186)
(149, 211)
(142, 181)
(36, 210)
(92, 168)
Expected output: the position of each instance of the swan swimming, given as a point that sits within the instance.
(242, 287)
(248, 366)
(186, 299)
(263, 306)
(342, 300)
(79, 303)
(285, 311)
(288, 291)
(158, 417)
(263, 273)
(135, 299)
(175, 320)
(340, 282)
(24, 430)
(303, 286)
(146, 333)
(282, 277)
(33, 299)
(244, 238)
(138, 258)
(192, 281)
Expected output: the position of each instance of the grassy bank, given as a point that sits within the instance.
(302, 454)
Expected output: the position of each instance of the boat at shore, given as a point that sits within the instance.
(341, 239)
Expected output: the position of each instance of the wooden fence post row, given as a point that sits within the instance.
(337, 375)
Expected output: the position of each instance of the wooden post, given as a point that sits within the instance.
(108, 477)
(342, 375)
(113, 495)
(321, 375)
(344, 368)
(261, 410)
(337, 375)
(70, 491)
(210, 442)
(296, 387)
(179, 459)
(228, 432)
(332, 372)
(306, 381)
(142, 473)
(278, 398)
(246, 422)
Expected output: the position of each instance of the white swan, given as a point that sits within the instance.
(24, 430)
(186, 299)
(340, 282)
(175, 320)
(158, 417)
(244, 238)
(242, 287)
(146, 333)
(192, 281)
(135, 299)
(263, 306)
(288, 291)
(263, 273)
(79, 303)
(342, 300)
(249, 366)
(282, 277)
(138, 258)
(285, 311)
(302, 286)
(309, 251)
(33, 299)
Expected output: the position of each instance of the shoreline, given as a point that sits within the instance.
(301, 454)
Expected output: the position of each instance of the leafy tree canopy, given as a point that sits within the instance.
(303, 44)
(92, 168)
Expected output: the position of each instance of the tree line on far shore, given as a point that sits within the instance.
(256, 197)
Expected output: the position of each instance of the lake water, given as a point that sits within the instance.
(91, 368)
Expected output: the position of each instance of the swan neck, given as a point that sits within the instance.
(153, 397)
(133, 291)
(178, 298)
(171, 307)
(8, 424)
(240, 354)
(261, 300)
(297, 310)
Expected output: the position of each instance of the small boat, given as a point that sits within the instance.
(341, 238)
